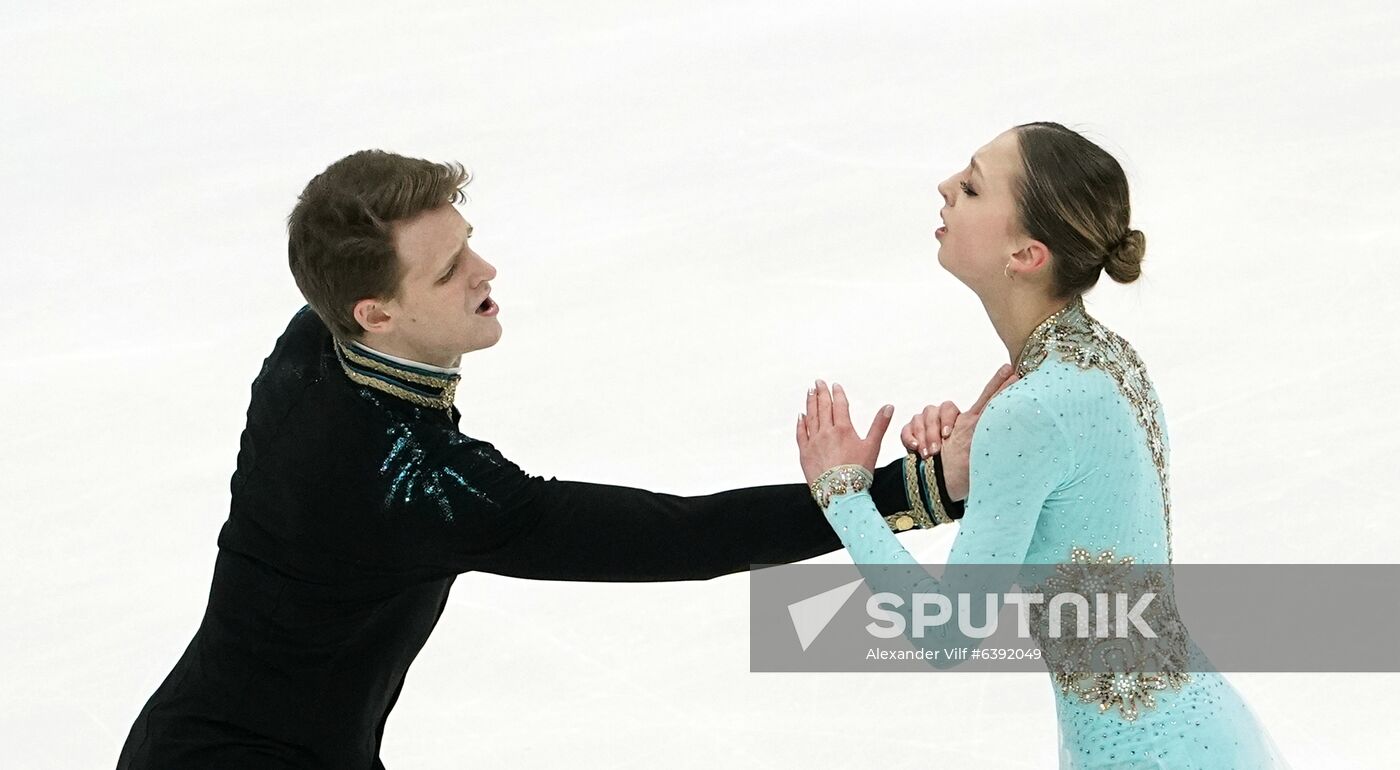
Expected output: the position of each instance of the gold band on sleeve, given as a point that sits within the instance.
(938, 508)
(917, 516)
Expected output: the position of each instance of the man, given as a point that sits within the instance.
(357, 501)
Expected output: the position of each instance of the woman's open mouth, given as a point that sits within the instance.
(488, 306)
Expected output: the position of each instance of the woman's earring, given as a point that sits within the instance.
(1006, 271)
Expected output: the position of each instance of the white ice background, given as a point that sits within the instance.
(695, 208)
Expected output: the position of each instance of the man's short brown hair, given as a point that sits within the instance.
(340, 244)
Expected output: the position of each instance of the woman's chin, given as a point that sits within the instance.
(952, 269)
(960, 274)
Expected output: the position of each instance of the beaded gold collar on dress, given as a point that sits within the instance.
(1071, 315)
(417, 386)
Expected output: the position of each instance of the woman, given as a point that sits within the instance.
(1069, 460)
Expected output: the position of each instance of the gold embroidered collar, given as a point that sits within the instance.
(415, 385)
(1057, 327)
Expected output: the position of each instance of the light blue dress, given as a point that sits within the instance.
(1069, 466)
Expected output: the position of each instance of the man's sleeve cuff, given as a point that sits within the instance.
(917, 516)
(950, 509)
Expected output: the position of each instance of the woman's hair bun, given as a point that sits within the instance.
(1124, 261)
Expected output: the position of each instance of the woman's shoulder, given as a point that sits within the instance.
(1074, 353)
(1036, 402)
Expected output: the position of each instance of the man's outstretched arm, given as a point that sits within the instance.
(510, 523)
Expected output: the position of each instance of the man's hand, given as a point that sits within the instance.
(957, 447)
(826, 438)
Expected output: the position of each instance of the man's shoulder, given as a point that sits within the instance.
(306, 336)
(305, 330)
(297, 363)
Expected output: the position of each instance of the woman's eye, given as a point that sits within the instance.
(967, 188)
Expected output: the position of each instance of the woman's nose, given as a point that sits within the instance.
(945, 188)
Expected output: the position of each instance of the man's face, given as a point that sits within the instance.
(442, 309)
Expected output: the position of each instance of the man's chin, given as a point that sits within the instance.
(484, 341)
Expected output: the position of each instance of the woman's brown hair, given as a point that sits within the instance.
(1073, 197)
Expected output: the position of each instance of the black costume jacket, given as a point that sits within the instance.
(355, 504)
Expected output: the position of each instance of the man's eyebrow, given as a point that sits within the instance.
(453, 259)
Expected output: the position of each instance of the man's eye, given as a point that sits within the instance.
(967, 189)
(448, 274)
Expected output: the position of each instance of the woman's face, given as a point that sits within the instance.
(981, 230)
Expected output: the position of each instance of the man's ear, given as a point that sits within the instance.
(373, 315)
(1033, 257)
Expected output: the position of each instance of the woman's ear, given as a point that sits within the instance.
(1032, 258)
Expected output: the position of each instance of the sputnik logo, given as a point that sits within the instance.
(812, 615)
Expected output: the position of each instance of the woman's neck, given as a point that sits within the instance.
(1015, 315)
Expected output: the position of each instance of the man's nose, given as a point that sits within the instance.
(485, 271)
(481, 270)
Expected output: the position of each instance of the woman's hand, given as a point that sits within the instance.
(826, 438)
(957, 448)
(927, 430)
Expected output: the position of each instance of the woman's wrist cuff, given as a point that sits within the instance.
(839, 481)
